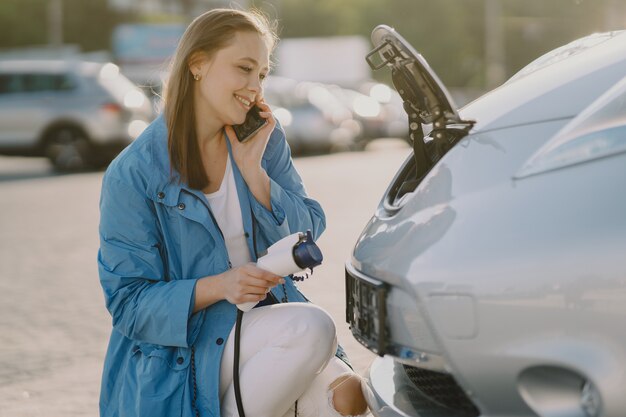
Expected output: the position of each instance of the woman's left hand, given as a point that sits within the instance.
(248, 155)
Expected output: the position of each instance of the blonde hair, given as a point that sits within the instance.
(207, 34)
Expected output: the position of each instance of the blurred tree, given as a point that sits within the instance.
(541, 26)
(450, 34)
(23, 22)
(87, 23)
(447, 32)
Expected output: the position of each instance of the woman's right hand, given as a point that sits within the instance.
(248, 283)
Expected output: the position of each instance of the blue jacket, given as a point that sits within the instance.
(157, 237)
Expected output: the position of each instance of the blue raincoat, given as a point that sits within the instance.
(157, 237)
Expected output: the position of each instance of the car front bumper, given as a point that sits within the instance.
(391, 391)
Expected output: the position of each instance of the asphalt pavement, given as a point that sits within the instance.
(53, 323)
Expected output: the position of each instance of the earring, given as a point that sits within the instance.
(196, 77)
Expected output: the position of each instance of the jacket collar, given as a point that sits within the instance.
(165, 184)
(167, 181)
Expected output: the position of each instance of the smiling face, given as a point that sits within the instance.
(231, 80)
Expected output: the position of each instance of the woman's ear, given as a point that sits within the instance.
(197, 62)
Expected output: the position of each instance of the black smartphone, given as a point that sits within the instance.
(250, 126)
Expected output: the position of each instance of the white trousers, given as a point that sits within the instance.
(287, 353)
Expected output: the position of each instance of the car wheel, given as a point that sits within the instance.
(69, 149)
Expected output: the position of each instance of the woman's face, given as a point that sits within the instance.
(232, 79)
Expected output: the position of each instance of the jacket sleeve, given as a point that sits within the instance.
(144, 306)
(292, 210)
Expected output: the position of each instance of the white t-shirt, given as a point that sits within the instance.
(227, 212)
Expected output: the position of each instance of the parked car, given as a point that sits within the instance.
(313, 118)
(78, 114)
(378, 113)
(491, 278)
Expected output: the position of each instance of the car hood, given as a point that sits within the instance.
(469, 180)
(512, 123)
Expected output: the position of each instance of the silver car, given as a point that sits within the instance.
(491, 278)
(78, 114)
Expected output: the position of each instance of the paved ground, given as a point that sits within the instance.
(53, 324)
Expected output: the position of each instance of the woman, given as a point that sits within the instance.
(184, 211)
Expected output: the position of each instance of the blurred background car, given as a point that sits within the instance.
(490, 279)
(378, 111)
(78, 114)
(313, 118)
(320, 117)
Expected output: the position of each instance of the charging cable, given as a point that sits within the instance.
(290, 255)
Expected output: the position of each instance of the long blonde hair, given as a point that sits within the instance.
(207, 34)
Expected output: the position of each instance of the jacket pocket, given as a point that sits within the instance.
(154, 384)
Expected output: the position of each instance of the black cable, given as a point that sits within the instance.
(238, 332)
(236, 364)
(195, 383)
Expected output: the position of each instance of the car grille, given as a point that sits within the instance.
(366, 311)
(442, 389)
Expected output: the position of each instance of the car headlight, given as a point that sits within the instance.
(136, 127)
(597, 132)
(134, 99)
(283, 115)
(381, 93)
(109, 71)
(366, 106)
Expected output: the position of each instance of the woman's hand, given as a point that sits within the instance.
(248, 283)
(238, 285)
(248, 156)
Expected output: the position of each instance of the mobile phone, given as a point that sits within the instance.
(250, 126)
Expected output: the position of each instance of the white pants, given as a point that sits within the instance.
(287, 354)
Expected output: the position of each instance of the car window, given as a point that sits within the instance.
(35, 83)
(9, 83)
(63, 82)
